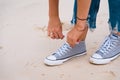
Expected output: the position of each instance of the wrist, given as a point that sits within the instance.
(81, 19)
(53, 17)
(81, 26)
(116, 32)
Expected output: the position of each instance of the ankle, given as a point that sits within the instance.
(83, 29)
(54, 20)
(117, 33)
(81, 25)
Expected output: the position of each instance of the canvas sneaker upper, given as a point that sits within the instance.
(109, 49)
(65, 52)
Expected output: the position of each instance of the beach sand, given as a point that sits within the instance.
(24, 44)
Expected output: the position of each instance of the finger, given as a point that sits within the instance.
(70, 42)
(56, 36)
(74, 42)
(48, 32)
(61, 36)
(52, 36)
(78, 41)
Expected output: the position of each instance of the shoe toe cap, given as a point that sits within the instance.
(97, 56)
(51, 57)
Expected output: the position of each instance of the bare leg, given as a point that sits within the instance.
(118, 33)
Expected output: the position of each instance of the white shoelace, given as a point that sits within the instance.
(63, 49)
(108, 45)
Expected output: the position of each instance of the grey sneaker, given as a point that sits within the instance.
(65, 52)
(109, 50)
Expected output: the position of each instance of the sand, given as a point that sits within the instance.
(24, 44)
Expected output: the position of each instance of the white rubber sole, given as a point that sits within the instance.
(58, 62)
(102, 61)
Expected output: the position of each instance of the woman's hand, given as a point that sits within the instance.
(55, 29)
(77, 34)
